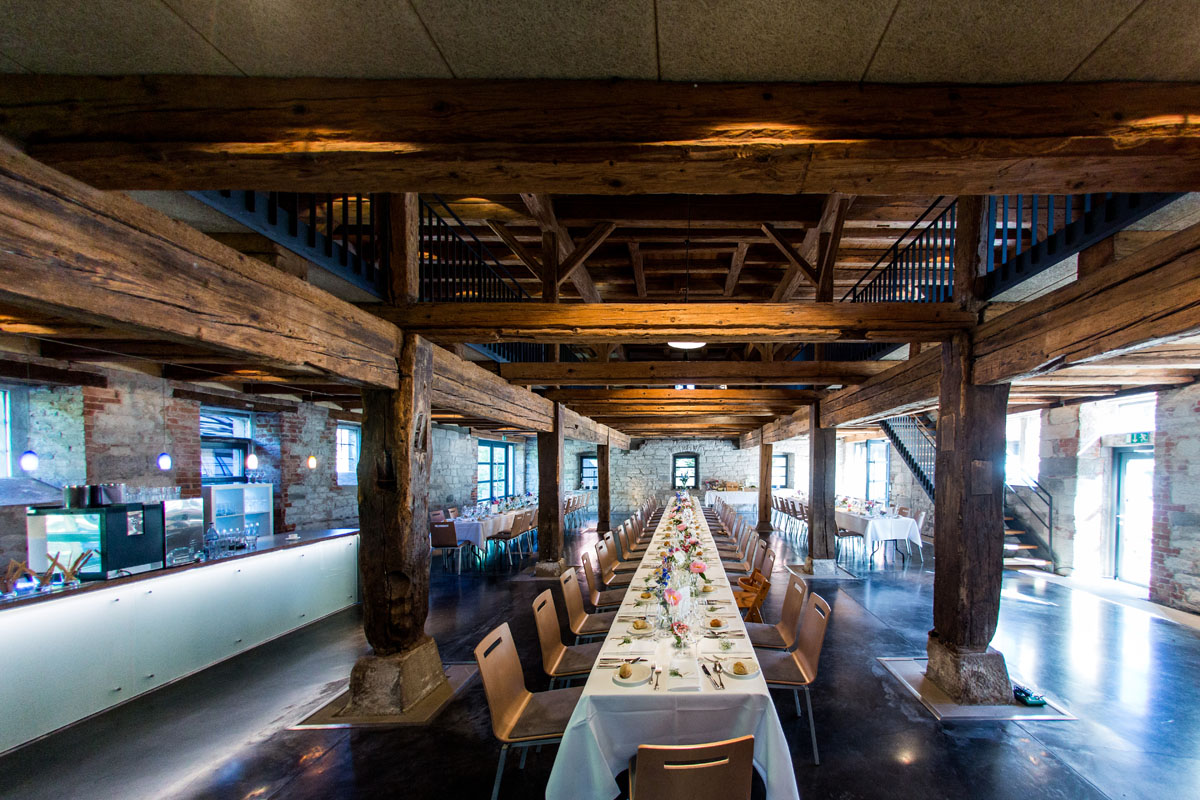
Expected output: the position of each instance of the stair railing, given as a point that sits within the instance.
(1043, 494)
(917, 446)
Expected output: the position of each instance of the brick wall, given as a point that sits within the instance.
(56, 434)
(1175, 553)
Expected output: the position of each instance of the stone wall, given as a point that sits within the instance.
(453, 477)
(1175, 553)
(312, 498)
(1058, 471)
(904, 491)
(55, 433)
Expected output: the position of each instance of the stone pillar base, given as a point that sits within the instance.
(820, 567)
(549, 569)
(391, 685)
(969, 677)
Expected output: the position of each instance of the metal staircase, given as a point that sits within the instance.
(916, 445)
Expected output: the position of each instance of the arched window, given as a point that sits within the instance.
(685, 471)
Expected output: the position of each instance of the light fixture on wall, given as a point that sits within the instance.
(251, 458)
(164, 460)
(312, 462)
(29, 461)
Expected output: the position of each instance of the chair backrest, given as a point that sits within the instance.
(589, 575)
(767, 565)
(503, 680)
(549, 635)
(920, 521)
(573, 598)
(904, 511)
(793, 606)
(604, 559)
(716, 771)
(761, 548)
(437, 516)
(812, 635)
(442, 534)
(452, 512)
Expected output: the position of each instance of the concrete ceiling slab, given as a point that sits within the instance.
(1160, 41)
(981, 41)
(778, 40)
(346, 39)
(570, 39)
(77, 37)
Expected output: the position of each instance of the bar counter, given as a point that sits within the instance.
(74, 652)
(265, 544)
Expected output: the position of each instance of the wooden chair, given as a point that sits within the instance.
(437, 516)
(748, 566)
(904, 511)
(600, 598)
(452, 512)
(581, 623)
(716, 771)
(444, 538)
(609, 576)
(520, 718)
(560, 662)
(615, 562)
(797, 669)
(782, 635)
(749, 601)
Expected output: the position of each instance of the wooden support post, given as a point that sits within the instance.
(765, 528)
(393, 512)
(404, 247)
(822, 474)
(968, 533)
(550, 508)
(550, 282)
(604, 497)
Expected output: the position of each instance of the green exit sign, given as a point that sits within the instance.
(1142, 437)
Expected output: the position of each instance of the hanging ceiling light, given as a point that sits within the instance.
(164, 461)
(251, 458)
(29, 461)
(687, 281)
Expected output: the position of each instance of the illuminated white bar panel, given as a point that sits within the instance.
(70, 657)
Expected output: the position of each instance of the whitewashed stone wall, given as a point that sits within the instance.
(453, 477)
(1175, 549)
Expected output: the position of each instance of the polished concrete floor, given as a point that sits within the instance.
(1133, 680)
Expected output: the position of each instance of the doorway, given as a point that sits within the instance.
(1134, 513)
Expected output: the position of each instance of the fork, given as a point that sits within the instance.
(657, 675)
(717, 668)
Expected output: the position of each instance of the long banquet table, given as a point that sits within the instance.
(738, 498)
(610, 721)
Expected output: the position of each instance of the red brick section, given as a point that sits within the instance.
(1175, 537)
(183, 432)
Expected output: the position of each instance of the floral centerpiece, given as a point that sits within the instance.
(682, 570)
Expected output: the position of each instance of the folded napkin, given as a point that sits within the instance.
(688, 679)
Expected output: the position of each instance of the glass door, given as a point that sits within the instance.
(877, 470)
(1135, 512)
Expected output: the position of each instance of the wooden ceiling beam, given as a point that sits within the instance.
(662, 322)
(800, 265)
(519, 250)
(581, 251)
(541, 209)
(102, 258)
(796, 396)
(735, 268)
(700, 373)
(606, 137)
(639, 269)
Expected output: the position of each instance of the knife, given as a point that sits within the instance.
(711, 679)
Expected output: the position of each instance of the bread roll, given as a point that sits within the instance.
(739, 668)
(625, 671)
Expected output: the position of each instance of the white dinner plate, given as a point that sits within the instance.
(641, 674)
(751, 665)
(632, 631)
(708, 627)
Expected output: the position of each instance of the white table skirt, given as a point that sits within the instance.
(476, 531)
(732, 498)
(609, 722)
(878, 529)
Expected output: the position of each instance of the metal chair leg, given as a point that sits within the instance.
(524, 752)
(812, 728)
(499, 771)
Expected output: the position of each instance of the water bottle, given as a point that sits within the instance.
(212, 541)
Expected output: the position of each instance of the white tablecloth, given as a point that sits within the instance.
(610, 721)
(732, 498)
(879, 529)
(477, 531)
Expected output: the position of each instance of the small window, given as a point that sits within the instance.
(349, 441)
(685, 469)
(780, 479)
(224, 441)
(494, 477)
(589, 472)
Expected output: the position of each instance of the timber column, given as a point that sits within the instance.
(603, 495)
(765, 528)
(822, 476)
(550, 508)
(393, 509)
(968, 529)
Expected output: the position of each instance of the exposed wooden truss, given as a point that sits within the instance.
(661, 323)
(699, 373)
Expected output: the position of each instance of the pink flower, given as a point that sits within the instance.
(693, 541)
(672, 596)
(681, 527)
(698, 567)
(679, 628)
